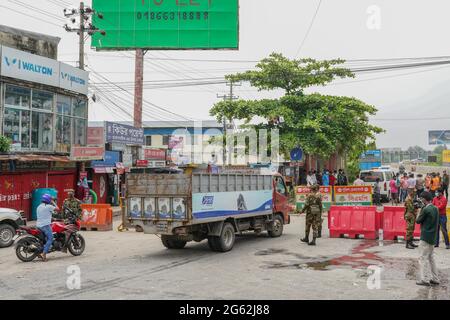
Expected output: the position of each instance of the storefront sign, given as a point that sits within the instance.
(446, 157)
(353, 195)
(95, 136)
(30, 67)
(155, 154)
(87, 153)
(142, 163)
(110, 159)
(119, 133)
(73, 79)
(301, 192)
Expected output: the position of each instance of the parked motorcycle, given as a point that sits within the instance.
(65, 237)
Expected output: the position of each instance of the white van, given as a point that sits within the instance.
(370, 177)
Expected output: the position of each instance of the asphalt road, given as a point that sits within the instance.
(133, 265)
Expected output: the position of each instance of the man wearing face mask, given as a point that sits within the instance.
(440, 202)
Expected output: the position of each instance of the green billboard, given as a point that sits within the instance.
(166, 24)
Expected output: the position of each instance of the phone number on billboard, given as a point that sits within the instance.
(198, 15)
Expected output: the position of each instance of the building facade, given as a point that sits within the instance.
(43, 112)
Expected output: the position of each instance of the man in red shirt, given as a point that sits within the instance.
(441, 203)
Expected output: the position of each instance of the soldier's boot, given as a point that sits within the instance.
(408, 245)
(313, 242)
(411, 242)
(319, 233)
(306, 238)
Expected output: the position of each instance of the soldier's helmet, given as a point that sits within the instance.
(315, 188)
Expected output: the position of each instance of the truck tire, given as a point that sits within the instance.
(7, 234)
(225, 241)
(277, 227)
(171, 242)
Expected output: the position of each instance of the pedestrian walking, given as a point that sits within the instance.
(326, 179)
(445, 183)
(377, 193)
(428, 219)
(410, 218)
(435, 184)
(342, 178)
(394, 189)
(403, 187)
(318, 177)
(313, 209)
(440, 202)
(411, 183)
(428, 182)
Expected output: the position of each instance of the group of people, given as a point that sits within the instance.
(402, 184)
(326, 178)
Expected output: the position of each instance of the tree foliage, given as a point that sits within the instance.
(5, 144)
(320, 124)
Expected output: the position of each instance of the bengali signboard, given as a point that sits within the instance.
(154, 154)
(446, 157)
(120, 133)
(166, 24)
(302, 191)
(95, 136)
(87, 153)
(353, 195)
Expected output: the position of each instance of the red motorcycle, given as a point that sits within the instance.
(65, 236)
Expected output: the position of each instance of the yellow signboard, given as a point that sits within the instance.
(446, 156)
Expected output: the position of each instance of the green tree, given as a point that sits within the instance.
(320, 124)
(5, 144)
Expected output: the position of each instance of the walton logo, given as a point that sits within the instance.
(28, 66)
(14, 61)
(72, 79)
(208, 200)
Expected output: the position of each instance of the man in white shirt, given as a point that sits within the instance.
(358, 182)
(311, 179)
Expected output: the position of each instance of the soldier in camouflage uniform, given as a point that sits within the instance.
(73, 204)
(313, 208)
(410, 218)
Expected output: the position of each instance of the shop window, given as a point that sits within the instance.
(148, 140)
(79, 132)
(63, 130)
(42, 131)
(17, 97)
(166, 140)
(17, 127)
(42, 100)
(63, 105)
(80, 108)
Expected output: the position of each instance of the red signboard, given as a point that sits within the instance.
(155, 154)
(95, 136)
(142, 163)
(87, 153)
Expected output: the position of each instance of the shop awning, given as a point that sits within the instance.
(33, 157)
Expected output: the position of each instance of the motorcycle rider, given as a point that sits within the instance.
(44, 220)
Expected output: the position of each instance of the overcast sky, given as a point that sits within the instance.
(408, 28)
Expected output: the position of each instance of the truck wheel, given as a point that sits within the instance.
(172, 243)
(277, 227)
(7, 234)
(227, 237)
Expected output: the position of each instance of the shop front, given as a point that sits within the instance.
(103, 174)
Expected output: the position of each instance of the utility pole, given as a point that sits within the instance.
(81, 35)
(138, 87)
(227, 97)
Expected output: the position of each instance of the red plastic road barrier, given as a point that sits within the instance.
(353, 221)
(394, 224)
